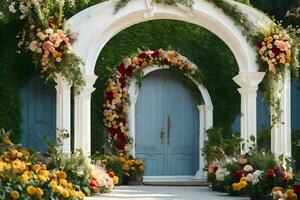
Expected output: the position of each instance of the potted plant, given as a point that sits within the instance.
(134, 169)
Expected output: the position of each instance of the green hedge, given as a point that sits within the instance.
(202, 47)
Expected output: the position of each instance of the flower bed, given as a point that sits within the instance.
(27, 174)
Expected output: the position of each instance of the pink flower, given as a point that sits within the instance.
(281, 45)
(52, 49)
(250, 177)
(213, 167)
(58, 59)
(33, 46)
(54, 37)
(271, 54)
(47, 45)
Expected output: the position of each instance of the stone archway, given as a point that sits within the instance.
(98, 24)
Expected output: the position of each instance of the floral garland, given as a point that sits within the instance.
(278, 52)
(116, 102)
(48, 38)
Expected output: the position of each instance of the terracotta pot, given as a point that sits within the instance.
(262, 197)
(136, 180)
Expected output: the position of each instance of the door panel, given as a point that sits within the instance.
(150, 125)
(165, 106)
(183, 117)
(38, 114)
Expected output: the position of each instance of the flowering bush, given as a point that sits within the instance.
(116, 102)
(22, 179)
(254, 174)
(47, 37)
(54, 176)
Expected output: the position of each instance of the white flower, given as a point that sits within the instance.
(1, 14)
(221, 173)
(49, 31)
(250, 177)
(256, 177)
(11, 8)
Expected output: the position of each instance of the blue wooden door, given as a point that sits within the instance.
(167, 126)
(38, 103)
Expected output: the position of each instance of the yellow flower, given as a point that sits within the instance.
(65, 193)
(288, 176)
(116, 180)
(30, 190)
(19, 155)
(282, 60)
(80, 194)
(53, 184)
(39, 192)
(269, 39)
(63, 182)
(14, 194)
(37, 167)
(141, 168)
(244, 179)
(236, 187)
(243, 184)
(43, 178)
(24, 178)
(61, 175)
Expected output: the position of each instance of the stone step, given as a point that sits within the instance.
(174, 181)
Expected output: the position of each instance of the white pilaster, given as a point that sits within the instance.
(63, 110)
(248, 82)
(200, 174)
(82, 116)
(133, 93)
(281, 132)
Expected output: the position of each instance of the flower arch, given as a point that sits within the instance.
(117, 100)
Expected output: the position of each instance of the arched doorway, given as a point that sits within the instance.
(167, 126)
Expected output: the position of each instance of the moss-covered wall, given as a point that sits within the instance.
(203, 48)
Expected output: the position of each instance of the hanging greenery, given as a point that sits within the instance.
(47, 37)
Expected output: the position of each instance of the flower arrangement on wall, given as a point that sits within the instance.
(48, 38)
(117, 99)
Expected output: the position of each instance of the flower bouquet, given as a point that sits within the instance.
(134, 169)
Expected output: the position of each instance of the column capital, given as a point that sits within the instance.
(62, 85)
(249, 80)
(88, 88)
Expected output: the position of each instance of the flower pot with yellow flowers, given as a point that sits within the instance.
(134, 170)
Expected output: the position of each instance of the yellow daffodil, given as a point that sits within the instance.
(53, 184)
(39, 192)
(61, 175)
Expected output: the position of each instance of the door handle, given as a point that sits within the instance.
(169, 128)
(162, 136)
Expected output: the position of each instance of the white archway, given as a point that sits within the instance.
(98, 24)
(205, 113)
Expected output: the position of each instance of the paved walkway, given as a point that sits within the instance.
(164, 193)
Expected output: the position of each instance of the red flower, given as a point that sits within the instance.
(143, 55)
(122, 81)
(270, 174)
(112, 131)
(94, 185)
(109, 96)
(123, 121)
(238, 174)
(296, 188)
(129, 71)
(166, 62)
(259, 45)
(155, 54)
(121, 137)
(111, 174)
(276, 51)
(122, 69)
(120, 146)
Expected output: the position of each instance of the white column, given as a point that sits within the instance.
(281, 132)
(63, 110)
(82, 116)
(248, 82)
(133, 93)
(200, 174)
